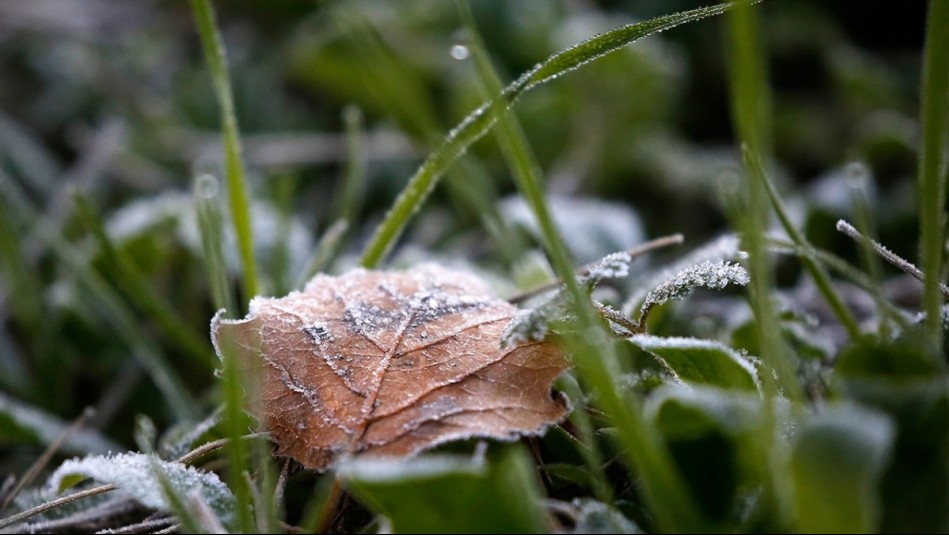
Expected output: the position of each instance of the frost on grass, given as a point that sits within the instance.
(390, 364)
(135, 474)
(712, 274)
(697, 361)
(724, 248)
(534, 324)
(611, 266)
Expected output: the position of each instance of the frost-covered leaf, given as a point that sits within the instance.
(597, 517)
(611, 266)
(713, 274)
(724, 247)
(592, 228)
(20, 421)
(535, 323)
(390, 364)
(135, 474)
(695, 360)
(837, 460)
(447, 494)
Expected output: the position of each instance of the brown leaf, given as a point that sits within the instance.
(390, 364)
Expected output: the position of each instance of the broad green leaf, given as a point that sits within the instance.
(450, 494)
(135, 474)
(707, 430)
(700, 361)
(837, 460)
(899, 379)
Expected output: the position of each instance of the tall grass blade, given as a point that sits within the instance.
(594, 353)
(475, 125)
(350, 198)
(236, 182)
(815, 270)
(934, 164)
(750, 107)
(751, 117)
(208, 212)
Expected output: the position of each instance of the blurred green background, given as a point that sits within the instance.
(113, 99)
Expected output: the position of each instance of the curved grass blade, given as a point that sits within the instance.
(475, 125)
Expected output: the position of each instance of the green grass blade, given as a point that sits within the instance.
(475, 125)
(750, 106)
(594, 352)
(131, 282)
(934, 116)
(351, 195)
(176, 396)
(236, 182)
(208, 212)
(815, 270)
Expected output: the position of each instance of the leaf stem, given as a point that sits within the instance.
(933, 164)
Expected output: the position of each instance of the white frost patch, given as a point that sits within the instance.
(394, 470)
(134, 473)
(712, 274)
(723, 248)
(611, 266)
(653, 344)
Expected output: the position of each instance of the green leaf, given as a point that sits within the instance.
(447, 494)
(135, 474)
(700, 361)
(837, 460)
(900, 379)
(707, 430)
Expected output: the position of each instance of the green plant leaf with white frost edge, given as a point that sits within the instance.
(694, 360)
(134, 474)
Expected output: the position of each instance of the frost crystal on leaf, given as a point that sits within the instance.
(134, 473)
(612, 266)
(712, 274)
(724, 247)
(390, 364)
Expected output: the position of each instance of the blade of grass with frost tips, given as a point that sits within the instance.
(133, 284)
(208, 213)
(475, 125)
(236, 182)
(123, 320)
(594, 354)
(933, 164)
